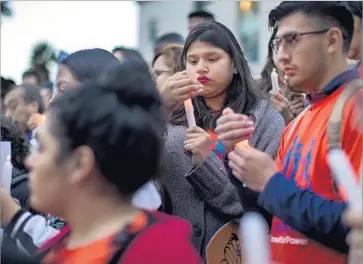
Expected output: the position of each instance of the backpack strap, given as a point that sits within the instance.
(295, 122)
(50, 244)
(124, 239)
(17, 180)
(336, 117)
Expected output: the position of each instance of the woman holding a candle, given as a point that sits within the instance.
(198, 185)
(214, 74)
(213, 57)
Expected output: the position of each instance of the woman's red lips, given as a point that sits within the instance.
(203, 79)
(288, 70)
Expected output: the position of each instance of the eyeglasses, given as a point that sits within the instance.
(289, 40)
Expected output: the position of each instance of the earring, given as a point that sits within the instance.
(235, 71)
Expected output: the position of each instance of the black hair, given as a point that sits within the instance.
(241, 96)
(129, 54)
(19, 146)
(6, 9)
(325, 13)
(90, 64)
(166, 39)
(31, 73)
(121, 118)
(355, 7)
(203, 14)
(6, 86)
(265, 85)
(32, 94)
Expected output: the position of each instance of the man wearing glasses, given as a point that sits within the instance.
(311, 44)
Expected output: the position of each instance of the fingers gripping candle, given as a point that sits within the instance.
(189, 110)
(275, 81)
(243, 143)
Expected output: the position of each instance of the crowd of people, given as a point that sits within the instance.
(108, 170)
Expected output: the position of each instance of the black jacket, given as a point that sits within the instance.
(19, 187)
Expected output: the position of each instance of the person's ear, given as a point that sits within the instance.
(82, 164)
(334, 40)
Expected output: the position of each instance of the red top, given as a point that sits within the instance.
(153, 238)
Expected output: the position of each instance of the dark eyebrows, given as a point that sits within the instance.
(191, 56)
(291, 32)
(211, 53)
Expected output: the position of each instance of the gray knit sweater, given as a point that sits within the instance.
(205, 196)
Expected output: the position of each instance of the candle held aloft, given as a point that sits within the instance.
(189, 110)
(275, 82)
(6, 175)
(344, 174)
(255, 239)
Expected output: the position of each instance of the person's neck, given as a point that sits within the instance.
(93, 221)
(333, 72)
(216, 103)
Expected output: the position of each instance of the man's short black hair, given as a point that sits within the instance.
(168, 38)
(32, 94)
(326, 14)
(31, 73)
(355, 7)
(6, 86)
(19, 146)
(129, 53)
(203, 14)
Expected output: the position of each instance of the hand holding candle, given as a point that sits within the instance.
(179, 88)
(244, 119)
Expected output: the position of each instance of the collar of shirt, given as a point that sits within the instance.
(333, 85)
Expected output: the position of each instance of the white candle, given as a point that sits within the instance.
(190, 112)
(344, 174)
(255, 239)
(5, 179)
(275, 81)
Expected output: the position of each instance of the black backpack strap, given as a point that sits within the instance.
(166, 206)
(335, 120)
(124, 239)
(19, 179)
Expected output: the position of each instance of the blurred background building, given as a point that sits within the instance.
(246, 19)
(73, 25)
